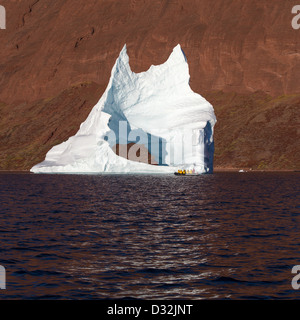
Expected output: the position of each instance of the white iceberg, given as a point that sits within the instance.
(157, 109)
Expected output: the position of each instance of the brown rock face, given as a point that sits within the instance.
(134, 152)
(56, 58)
(257, 131)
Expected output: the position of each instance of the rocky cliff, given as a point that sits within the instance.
(244, 57)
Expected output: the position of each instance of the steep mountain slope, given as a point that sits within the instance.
(56, 58)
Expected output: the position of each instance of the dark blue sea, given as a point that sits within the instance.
(222, 236)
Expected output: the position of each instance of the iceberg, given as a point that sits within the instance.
(155, 109)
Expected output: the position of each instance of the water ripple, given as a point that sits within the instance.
(220, 236)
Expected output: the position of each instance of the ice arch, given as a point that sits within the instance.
(158, 104)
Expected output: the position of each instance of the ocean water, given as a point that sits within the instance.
(221, 236)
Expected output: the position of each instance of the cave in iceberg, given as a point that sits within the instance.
(155, 112)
